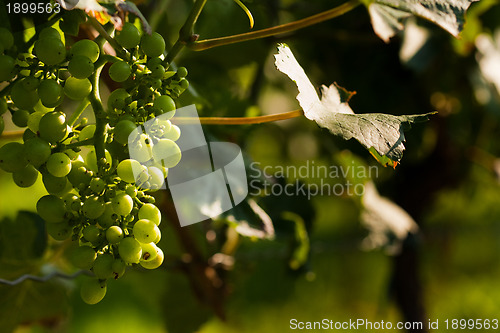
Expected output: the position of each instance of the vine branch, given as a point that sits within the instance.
(239, 120)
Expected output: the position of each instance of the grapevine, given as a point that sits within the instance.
(96, 196)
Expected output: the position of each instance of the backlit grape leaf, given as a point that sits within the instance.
(381, 134)
(388, 16)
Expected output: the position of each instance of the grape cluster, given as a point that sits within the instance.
(98, 196)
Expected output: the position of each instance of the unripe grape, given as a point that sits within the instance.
(77, 89)
(34, 121)
(51, 209)
(127, 168)
(108, 218)
(81, 66)
(150, 212)
(52, 126)
(91, 160)
(59, 164)
(12, 157)
(120, 71)
(129, 36)
(53, 184)
(20, 118)
(167, 152)
(149, 251)
(83, 257)
(114, 234)
(59, 231)
(87, 48)
(22, 98)
(122, 131)
(155, 262)
(87, 132)
(49, 32)
(6, 38)
(130, 250)
(182, 72)
(97, 185)
(153, 45)
(79, 174)
(116, 99)
(7, 68)
(3, 106)
(36, 151)
(156, 178)
(165, 103)
(50, 50)
(25, 177)
(93, 207)
(93, 291)
(157, 72)
(119, 267)
(103, 266)
(50, 92)
(122, 204)
(144, 231)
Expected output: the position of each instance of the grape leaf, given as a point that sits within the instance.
(388, 16)
(381, 134)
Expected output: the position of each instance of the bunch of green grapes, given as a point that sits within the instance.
(97, 195)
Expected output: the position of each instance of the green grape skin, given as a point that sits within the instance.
(184, 84)
(91, 233)
(103, 266)
(156, 178)
(59, 231)
(79, 174)
(28, 135)
(6, 38)
(149, 251)
(182, 72)
(91, 160)
(52, 126)
(59, 164)
(50, 92)
(87, 48)
(2, 125)
(50, 50)
(34, 121)
(51, 209)
(20, 118)
(77, 89)
(53, 184)
(150, 212)
(25, 177)
(30, 83)
(120, 71)
(36, 151)
(157, 72)
(93, 291)
(72, 202)
(3, 105)
(119, 267)
(83, 257)
(97, 185)
(87, 132)
(129, 36)
(116, 99)
(166, 104)
(122, 131)
(153, 45)
(93, 207)
(154, 263)
(7, 68)
(108, 218)
(122, 204)
(144, 231)
(12, 157)
(81, 66)
(153, 62)
(167, 152)
(130, 250)
(126, 169)
(49, 32)
(114, 234)
(22, 98)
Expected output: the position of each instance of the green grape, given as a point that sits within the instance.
(30, 83)
(130, 250)
(25, 177)
(6, 38)
(129, 36)
(79, 174)
(93, 207)
(97, 185)
(77, 89)
(7, 68)
(122, 204)
(20, 118)
(22, 98)
(131, 190)
(167, 152)
(2, 125)
(87, 48)
(120, 71)
(153, 62)
(36, 151)
(34, 121)
(51, 209)
(116, 99)
(144, 231)
(3, 105)
(81, 66)
(87, 132)
(184, 84)
(182, 72)
(50, 92)
(93, 291)
(157, 72)
(12, 157)
(114, 234)
(59, 164)
(91, 233)
(83, 257)
(156, 178)
(119, 267)
(165, 103)
(52, 126)
(103, 266)
(127, 168)
(108, 218)
(70, 22)
(91, 159)
(150, 212)
(49, 32)
(149, 251)
(153, 45)
(122, 131)
(155, 262)
(28, 135)
(50, 50)
(173, 134)
(53, 184)
(59, 231)
(72, 202)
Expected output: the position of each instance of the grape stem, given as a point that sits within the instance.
(86, 142)
(100, 116)
(102, 32)
(239, 120)
(78, 112)
(280, 29)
